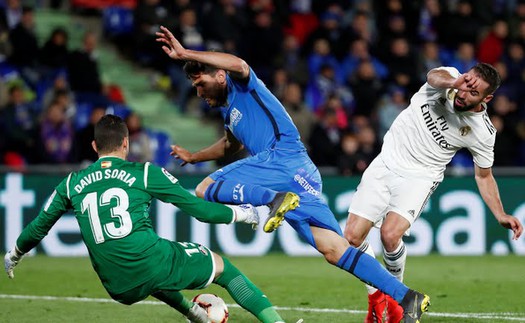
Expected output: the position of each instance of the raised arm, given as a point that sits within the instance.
(234, 65)
(442, 79)
(489, 192)
(226, 146)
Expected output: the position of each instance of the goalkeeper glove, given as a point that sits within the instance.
(11, 259)
(246, 213)
(197, 314)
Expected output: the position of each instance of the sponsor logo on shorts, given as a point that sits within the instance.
(306, 185)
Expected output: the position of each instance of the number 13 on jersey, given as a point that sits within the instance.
(92, 204)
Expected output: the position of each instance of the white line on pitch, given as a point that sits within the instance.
(478, 316)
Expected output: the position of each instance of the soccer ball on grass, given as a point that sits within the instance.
(214, 305)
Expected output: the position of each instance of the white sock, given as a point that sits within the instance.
(395, 261)
(367, 248)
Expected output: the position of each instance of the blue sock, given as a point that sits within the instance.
(370, 271)
(233, 192)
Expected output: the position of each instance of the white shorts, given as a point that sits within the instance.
(381, 191)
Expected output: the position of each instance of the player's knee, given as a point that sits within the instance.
(390, 238)
(200, 190)
(123, 299)
(353, 237)
(333, 251)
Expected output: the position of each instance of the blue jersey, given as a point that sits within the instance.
(256, 117)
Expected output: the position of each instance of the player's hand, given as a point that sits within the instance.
(246, 213)
(466, 82)
(198, 314)
(172, 46)
(512, 223)
(11, 259)
(181, 153)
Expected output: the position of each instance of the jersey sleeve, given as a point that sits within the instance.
(253, 82)
(57, 204)
(162, 185)
(483, 153)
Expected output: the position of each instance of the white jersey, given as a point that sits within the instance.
(428, 133)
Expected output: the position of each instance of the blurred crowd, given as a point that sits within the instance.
(51, 96)
(343, 69)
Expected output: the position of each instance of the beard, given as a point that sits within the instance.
(217, 97)
(462, 107)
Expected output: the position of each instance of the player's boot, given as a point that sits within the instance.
(414, 305)
(394, 311)
(282, 203)
(377, 308)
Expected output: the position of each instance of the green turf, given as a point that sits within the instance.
(475, 285)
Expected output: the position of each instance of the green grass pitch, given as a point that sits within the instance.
(462, 289)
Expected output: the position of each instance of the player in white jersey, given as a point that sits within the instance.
(446, 114)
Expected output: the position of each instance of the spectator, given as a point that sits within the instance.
(359, 52)
(505, 119)
(464, 58)
(60, 90)
(460, 26)
(190, 36)
(83, 151)
(19, 125)
(348, 159)
(261, 39)
(148, 16)
(429, 20)
(11, 15)
(325, 139)
(139, 141)
(368, 147)
(24, 44)
(302, 116)
(400, 61)
(491, 47)
(330, 29)
(56, 134)
(289, 58)
(54, 53)
(322, 56)
(83, 72)
(223, 22)
(428, 58)
(390, 107)
(367, 89)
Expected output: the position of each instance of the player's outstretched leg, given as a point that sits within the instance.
(193, 312)
(414, 305)
(246, 294)
(282, 203)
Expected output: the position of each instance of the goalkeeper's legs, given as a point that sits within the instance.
(174, 299)
(244, 292)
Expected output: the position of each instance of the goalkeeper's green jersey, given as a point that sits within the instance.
(110, 199)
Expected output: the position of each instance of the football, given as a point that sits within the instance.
(214, 305)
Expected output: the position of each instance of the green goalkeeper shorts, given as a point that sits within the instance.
(186, 265)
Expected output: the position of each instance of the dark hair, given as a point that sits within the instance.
(110, 131)
(196, 68)
(488, 73)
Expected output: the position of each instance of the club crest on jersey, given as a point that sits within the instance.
(235, 117)
(169, 176)
(465, 130)
(105, 164)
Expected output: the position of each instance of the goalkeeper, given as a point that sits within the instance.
(110, 199)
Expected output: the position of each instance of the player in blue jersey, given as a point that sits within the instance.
(255, 120)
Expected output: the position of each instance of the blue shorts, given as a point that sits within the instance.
(283, 171)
